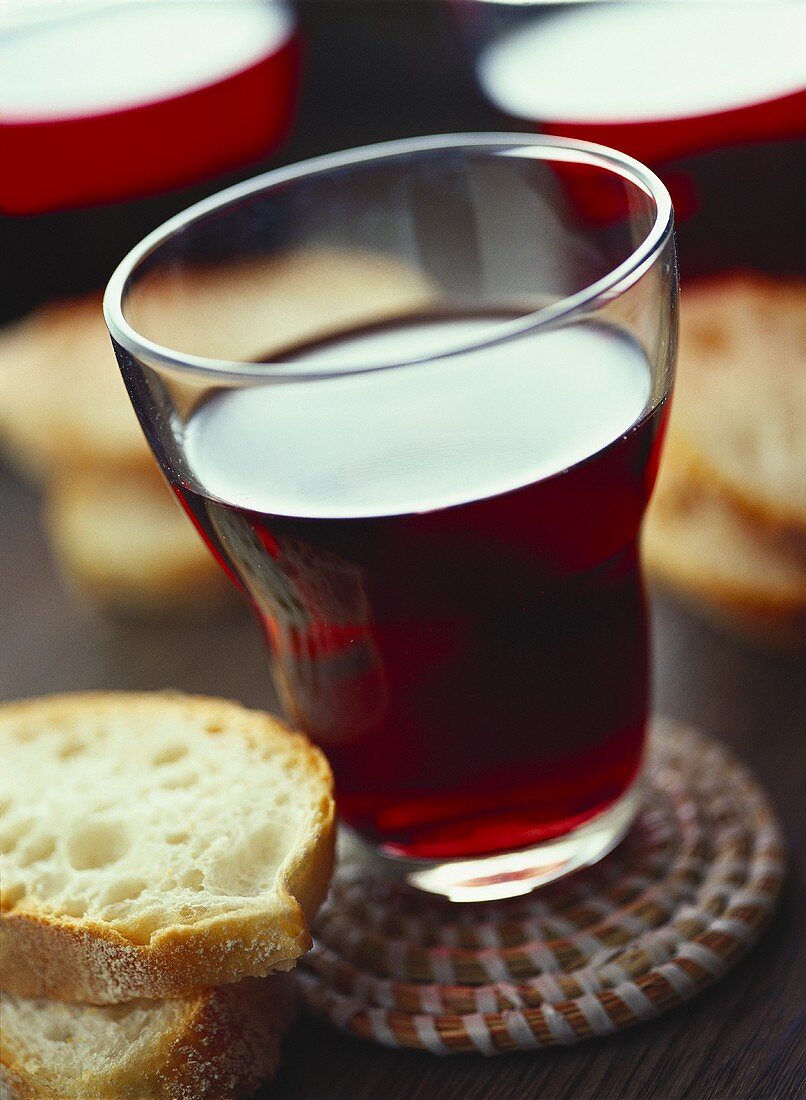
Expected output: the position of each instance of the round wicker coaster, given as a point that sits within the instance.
(666, 914)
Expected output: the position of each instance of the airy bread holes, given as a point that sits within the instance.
(38, 849)
(126, 890)
(71, 748)
(75, 907)
(96, 845)
(193, 879)
(169, 755)
(179, 782)
(12, 835)
(110, 869)
(7, 843)
(12, 894)
(238, 873)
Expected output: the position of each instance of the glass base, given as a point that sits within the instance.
(507, 874)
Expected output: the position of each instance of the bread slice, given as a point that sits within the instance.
(122, 540)
(62, 400)
(155, 844)
(262, 305)
(728, 566)
(221, 1042)
(740, 397)
(63, 403)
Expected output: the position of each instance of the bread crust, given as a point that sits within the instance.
(725, 564)
(43, 954)
(226, 1042)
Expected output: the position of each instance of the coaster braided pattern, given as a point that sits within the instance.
(679, 901)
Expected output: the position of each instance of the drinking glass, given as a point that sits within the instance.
(412, 397)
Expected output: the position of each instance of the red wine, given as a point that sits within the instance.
(443, 556)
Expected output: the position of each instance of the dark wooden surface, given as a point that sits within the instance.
(378, 71)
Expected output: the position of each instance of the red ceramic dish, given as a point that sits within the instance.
(76, 129)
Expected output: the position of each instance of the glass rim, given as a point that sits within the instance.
(568, 150)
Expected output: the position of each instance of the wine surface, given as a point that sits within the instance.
(421, 437)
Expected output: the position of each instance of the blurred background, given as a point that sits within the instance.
(115, 115)
(106, 129)
(373, 71)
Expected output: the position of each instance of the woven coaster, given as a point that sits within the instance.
(668, 913)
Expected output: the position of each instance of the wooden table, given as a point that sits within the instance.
(378, 71)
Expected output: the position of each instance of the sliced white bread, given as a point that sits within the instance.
(63, 403)
(740, 396)
(62, 400)
(155, 844)
(65, 417)
(726, 564)
(257, 306)
(122, 540)
(221, 1042)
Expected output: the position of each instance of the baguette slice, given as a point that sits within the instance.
(221, 1042)
(732, 569)
(155, 844)
(740, 395)
(63, 403)
(62, 399)
(263, 305)
(122, 540)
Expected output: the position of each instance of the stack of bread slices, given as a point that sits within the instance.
(67, 425)
(161, 859)
(118, 535)
(727, 525)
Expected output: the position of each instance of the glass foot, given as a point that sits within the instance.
(506, 874)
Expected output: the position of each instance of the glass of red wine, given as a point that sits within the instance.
(412, 397)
